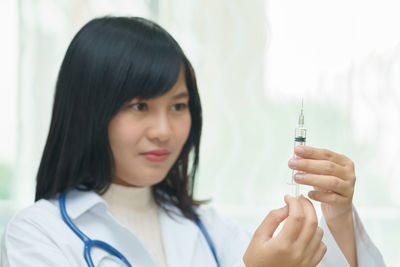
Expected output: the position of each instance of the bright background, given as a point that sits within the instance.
(255, 61)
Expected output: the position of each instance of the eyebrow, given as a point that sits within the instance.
(181, 95)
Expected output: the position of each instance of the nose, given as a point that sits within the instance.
(160, 128)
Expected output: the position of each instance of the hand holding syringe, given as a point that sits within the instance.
(332, 177)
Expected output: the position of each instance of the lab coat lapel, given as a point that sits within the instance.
(179, 236)
(90, 214)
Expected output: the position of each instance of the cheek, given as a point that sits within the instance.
(115, 132)
(184, 129)
(121, 134)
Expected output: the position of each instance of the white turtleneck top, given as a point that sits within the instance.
(135, 208)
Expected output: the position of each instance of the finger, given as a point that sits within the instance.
(316, 188)
(322, 167)
(314, 242)
(319, 254)
(324, 183)
(310, 224)
(309, 152)
(268, 226)
(327, 197)
(294, 221)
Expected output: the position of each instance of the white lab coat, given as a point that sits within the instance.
(37, 236)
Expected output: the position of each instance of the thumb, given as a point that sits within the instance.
(268, 226)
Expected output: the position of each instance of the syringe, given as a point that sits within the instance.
(299, 139)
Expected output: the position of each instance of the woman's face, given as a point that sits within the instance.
(147, 136)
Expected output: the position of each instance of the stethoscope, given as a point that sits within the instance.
(89, 243)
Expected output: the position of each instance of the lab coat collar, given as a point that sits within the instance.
(81, 201)
(180, 236)
(179, 233)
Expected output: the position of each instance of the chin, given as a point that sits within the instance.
(147, 182)
(154, 182)
(147, 178)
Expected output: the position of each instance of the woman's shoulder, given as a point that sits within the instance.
(41, 210)
(210, 214)
(229, 237)
(219, 222)
(34, 217)
(47, 211)
(29, 234)
(214, 221)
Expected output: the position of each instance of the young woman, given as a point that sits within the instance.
(115, 183)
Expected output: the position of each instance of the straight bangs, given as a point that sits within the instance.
(158, 72)
(143, 64)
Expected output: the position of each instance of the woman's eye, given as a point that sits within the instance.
(179, 106)
(139, 106)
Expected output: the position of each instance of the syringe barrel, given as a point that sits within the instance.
(300, 136)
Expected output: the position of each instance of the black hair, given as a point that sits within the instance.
(110, 61)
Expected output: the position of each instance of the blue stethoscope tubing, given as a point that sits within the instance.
(89, 243)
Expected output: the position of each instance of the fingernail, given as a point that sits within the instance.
(298, 177)
(299, 150)
(293, 162)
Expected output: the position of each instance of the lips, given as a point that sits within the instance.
(156, 155)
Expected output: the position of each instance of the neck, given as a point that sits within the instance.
(129, 197)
